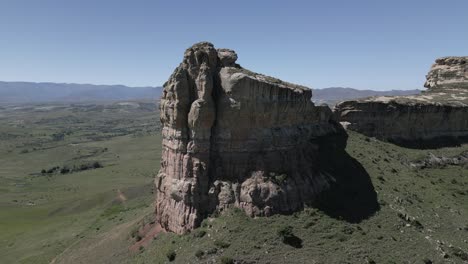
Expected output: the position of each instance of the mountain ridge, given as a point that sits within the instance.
(332, 95)
(40, 92)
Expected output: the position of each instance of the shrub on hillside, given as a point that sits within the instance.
(226, 260)
(287, 236)
(221, 244)
(171, 255)
(199, 254)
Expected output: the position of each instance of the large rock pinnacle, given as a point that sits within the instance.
(234, 138)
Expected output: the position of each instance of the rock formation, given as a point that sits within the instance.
(433, 161)
(448, 73)
(437, 117)
(234, 138)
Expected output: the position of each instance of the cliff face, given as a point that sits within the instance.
(411, 123)
(438, 116)
(232, 137)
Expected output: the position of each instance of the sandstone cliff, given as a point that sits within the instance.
(448, 73)
(232, 137)
(437, 117)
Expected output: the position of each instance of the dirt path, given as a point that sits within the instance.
(150, 234)
(90, 244)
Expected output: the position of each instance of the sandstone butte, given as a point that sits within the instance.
(235, 138)
(437, 117)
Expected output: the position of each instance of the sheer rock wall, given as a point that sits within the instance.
(234, 138)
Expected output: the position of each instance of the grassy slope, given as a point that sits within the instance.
(436, 198)
(77, 218)
(42, 215)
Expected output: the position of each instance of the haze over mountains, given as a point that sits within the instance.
(30, 92)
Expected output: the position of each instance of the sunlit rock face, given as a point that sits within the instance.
(448, 73)
(234, 138)
(437, 117)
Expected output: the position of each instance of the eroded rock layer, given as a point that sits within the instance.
(448, 73)
(232, 137)
(437, 117)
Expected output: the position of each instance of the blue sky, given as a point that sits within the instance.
(361, 43)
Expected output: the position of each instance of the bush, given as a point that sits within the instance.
(226, 260)
(278, 179)
(138, 237)
(459, 253)
(171, 255)
(212, 251)
(199, 233)
(287, 236)
(427, 261)
(51, 170)
(84, 167)
(97, 165)
(58, 136)
(64, 170)
(285, 231)
(199, 254)
(221, 244)
(134, 232)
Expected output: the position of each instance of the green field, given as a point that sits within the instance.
(42, 214)
(89, 215)
(423, 218)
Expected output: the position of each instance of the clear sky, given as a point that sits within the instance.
(366, 44)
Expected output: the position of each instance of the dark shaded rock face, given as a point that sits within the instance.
(438, 117)
(234, 138)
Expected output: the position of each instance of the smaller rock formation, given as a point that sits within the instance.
(235, 138)
(433, 161)
(437, 117)
(448, 73)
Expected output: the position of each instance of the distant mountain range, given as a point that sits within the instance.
(334, 95)
(29, 92)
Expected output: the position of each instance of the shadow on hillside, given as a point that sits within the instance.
(434, 143)
(352, 197)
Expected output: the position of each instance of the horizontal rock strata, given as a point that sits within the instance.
(234, 138)
(437, 117)
(448, 73)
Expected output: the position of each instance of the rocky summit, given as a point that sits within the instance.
(448, 73)
(235, 138)
(437, 117)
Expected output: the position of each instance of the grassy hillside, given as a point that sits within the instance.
(42, 214)
(384, 211)
(423, 218)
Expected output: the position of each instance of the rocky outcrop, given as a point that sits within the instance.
(437, 117)
(433, 161)
(234, 138)
(448, 73)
